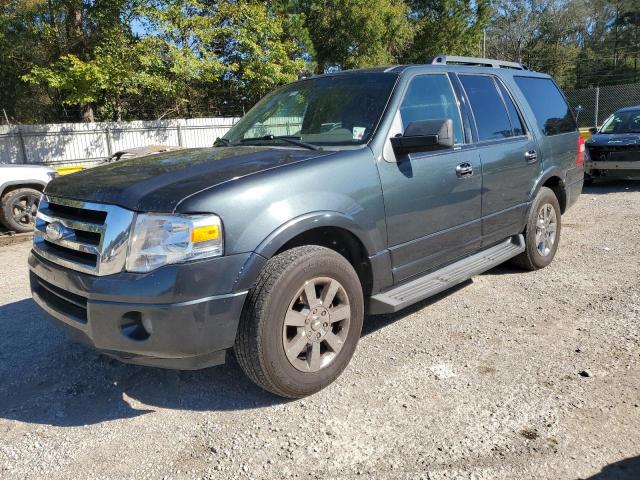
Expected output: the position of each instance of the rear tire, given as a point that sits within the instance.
(542, 233)
(18, 209)
(301, 322)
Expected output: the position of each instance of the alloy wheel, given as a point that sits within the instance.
(546, 229)
(25, 208)
(316, 324)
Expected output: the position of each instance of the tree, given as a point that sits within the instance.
(257, 52)
(114, 73)
(64, 36)
(452, 27)
(357, 33)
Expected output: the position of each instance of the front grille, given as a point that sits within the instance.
(74, 213)
(88, 237)
(616, 153)
(66, 303)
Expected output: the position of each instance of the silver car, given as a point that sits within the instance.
(20, 189)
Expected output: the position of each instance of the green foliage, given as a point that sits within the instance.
(124, 59)
(357, 33)
(453, 27)
(258, 54)
(581, 43)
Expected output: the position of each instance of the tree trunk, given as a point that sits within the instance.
(87, 113)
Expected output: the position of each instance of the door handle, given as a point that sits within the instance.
(531, 156)
(464, 170)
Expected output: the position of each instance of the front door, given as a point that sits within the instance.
(432, 199)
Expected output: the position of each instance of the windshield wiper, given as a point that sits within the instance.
(285, 138)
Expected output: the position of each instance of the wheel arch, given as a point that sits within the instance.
(14, 185)
(328, 229)
(553, 179)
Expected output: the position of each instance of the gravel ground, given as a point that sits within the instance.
(482, 382)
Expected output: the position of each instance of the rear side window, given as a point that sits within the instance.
(549, 106)
(514, 115)
(490, 112)
(430, 97)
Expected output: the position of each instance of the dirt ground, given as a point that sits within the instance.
(482, 382)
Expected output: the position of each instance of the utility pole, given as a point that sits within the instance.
(484, 43)
(597, 106)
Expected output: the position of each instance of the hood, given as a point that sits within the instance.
(157, 183)
(614, 139)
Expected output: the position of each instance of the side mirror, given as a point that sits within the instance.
(424, 135)
(593, 130)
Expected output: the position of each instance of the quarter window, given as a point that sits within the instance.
(430, 97)
(549, 106)
(490, 112)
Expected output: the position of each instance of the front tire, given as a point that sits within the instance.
(18, 209)
(542, 233)
(301, 322)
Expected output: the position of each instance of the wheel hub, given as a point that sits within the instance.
(316, 324)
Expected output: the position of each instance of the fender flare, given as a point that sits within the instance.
(546, 175)
(291, 229)
(562, 194)
(309, 221)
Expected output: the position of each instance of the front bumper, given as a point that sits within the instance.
(618, 161)
(178, 316)
(631, 165)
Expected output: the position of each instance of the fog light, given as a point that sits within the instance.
(135, 327)
(148, 326)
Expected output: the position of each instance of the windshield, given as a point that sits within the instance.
(622, 122)
(332, 110)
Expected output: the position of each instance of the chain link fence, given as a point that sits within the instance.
(599, 102)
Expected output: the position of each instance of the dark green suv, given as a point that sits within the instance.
(335, 196)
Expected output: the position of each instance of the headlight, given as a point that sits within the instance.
(52, 175)
(163, 239)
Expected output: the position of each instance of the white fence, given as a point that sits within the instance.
(77, 143)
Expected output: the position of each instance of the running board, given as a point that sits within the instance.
(445, 278)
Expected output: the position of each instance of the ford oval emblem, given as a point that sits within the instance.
(55, 231)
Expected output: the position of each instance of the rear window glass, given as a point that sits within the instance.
(490, 112)
(516, 120)
(549, 106)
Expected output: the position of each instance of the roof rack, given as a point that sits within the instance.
(475, 62)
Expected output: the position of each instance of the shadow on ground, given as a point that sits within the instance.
(45, 378)
(627, 469)
(605, 186)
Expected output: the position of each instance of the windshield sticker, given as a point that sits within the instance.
(358, 132)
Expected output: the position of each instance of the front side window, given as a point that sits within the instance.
(551, 110)
(490, 112)
(622, 122)
(332, 110)
(430, 97)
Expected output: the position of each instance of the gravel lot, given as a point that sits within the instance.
(482, 382)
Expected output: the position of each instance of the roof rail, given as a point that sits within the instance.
(474, 61)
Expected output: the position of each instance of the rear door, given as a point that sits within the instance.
(509, 153)
(555, 123)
